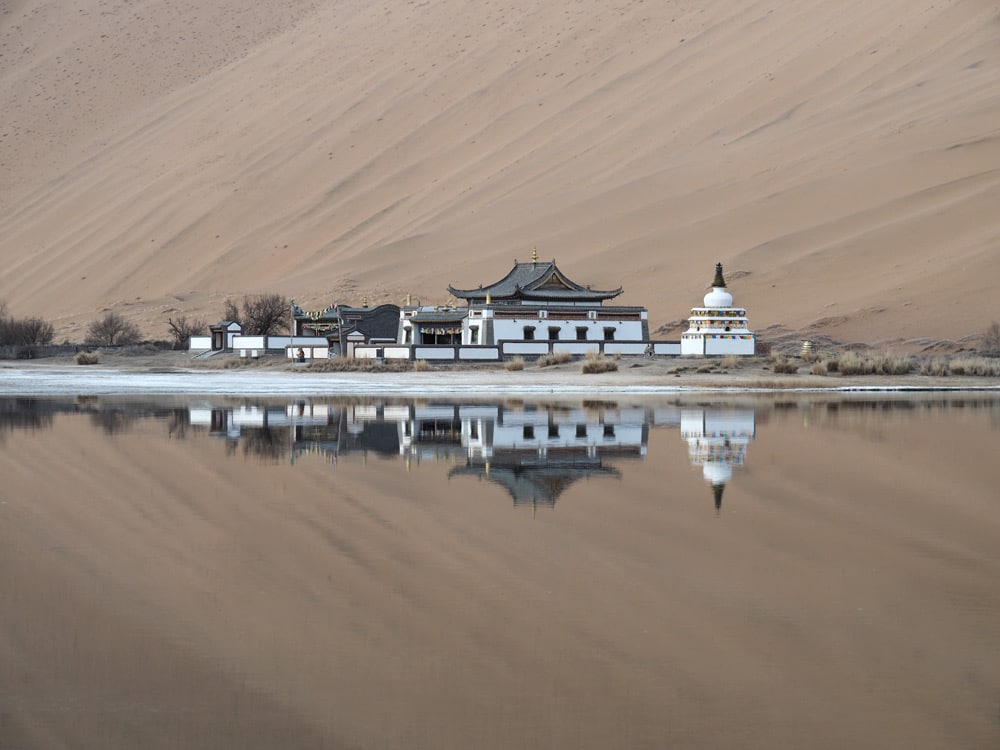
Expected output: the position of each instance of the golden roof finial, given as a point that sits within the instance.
(489, 299)
(409, 301)
(534, 255)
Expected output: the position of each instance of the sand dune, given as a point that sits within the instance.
(843, 160)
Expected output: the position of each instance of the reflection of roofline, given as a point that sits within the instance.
(536, 483)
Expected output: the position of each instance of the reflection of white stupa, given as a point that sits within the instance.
(718, 327)
(717, 441)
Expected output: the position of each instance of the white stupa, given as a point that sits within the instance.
(718, 327)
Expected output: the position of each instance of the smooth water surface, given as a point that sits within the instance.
(206, 572)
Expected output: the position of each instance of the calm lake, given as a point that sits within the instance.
(814, 571)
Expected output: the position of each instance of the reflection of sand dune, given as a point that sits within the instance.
(158, 158)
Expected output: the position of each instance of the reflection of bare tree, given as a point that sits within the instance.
(178, 423)
(114, 421)
(25, 414)
(270, 445)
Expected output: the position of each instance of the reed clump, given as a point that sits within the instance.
(853, 363)
(977, 366)
(87, 358)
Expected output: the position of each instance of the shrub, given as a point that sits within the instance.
(730, 362)
(818, 368)
(421, 365)
(556, 358)
(87, 358)
(595, 363)
(832, 365)
(112, 330)
(514, 364)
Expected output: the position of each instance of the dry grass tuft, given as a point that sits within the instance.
(421, 365)
(784, 366)
(87, 358)
(819, 368)
(557, 358)
(595, 363)
(514, 365)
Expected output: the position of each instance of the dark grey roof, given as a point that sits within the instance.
(536, 280)
(439, 316)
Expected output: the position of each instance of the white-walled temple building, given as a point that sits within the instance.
(718, 327)
(535, 301)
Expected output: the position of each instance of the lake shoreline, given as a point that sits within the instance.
(169, 372)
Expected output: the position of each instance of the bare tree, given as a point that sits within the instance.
(991, 340)
(182, 329)
(24, 331)
(260, 314)
(112, 330)
(232, 312)
(265, 314)
(33, 331)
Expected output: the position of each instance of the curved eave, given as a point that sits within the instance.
(478, 296)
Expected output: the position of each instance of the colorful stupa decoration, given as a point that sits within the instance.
(718, 328)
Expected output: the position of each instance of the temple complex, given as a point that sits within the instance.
(718, 327)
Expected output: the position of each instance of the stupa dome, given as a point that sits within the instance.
(718, 298)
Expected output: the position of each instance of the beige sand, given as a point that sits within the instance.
(842, 160)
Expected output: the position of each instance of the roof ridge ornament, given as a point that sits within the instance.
(534, 254)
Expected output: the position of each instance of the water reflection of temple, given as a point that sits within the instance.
(535, 454)
(717, 441)
(533, 451)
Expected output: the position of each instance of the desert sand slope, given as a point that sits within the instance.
(842, 159)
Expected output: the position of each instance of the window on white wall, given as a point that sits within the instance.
(581, 333)
(553, 333)
(529, 333)
(609, 333)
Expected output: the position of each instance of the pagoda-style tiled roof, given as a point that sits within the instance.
(536, 281)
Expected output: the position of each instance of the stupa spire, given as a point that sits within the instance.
(719, 282)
